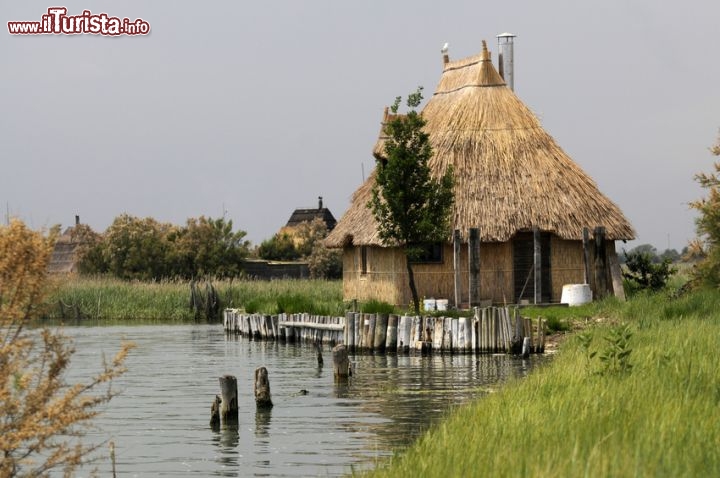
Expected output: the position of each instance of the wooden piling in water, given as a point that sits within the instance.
(349, 332)
(438, 334)
(228, 398)
(392, 334)
(262, 388)
(341, 363)
(381, 325)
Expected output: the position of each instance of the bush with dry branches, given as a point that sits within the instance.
(42, 417)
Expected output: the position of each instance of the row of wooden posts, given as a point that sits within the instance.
(490, 330)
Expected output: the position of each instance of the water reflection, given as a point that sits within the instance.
(317, 427)
(262, 422)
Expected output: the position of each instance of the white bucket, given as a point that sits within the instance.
(442, 304)
(576, 294)
(428, 304)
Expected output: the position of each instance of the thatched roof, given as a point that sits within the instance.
(300, 216)
(64, 255)
(510, 174)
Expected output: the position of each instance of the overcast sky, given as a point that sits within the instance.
(253, 109)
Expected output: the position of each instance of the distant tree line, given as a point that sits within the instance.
(135, 248)
(670, 255)
(145, 249)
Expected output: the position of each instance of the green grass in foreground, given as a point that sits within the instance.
(107, 299)
(575, 417)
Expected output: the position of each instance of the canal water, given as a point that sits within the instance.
(160, 421)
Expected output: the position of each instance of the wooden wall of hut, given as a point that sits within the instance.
(386, 277)
(490, 330)
(567, 264)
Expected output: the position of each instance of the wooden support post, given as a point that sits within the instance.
(473, 321)
(526, 347)
(381, 325)
(262, 388)
(456, 265)
(341, 362)
(370, 343)
(586, 254)
(392, 333)
(438, 334)
(601, 288)
(416, 332)
(518, 334)
(228, 398)
(358, 330)
(537, 265)
(447, 334)
(463, 334)
(318, 351)
(215, 413)
(347, 332)
(616, 274)
(474, 267)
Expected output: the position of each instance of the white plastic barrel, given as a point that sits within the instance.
(429, 304)
(576, 294)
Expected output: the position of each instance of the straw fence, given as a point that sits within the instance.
(490, 330)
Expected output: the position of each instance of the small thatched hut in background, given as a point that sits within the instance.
(523, 196)
(303, 216)
(65, 253)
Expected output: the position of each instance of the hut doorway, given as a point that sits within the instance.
(524, 270)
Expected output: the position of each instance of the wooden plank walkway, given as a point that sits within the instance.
(490, 330)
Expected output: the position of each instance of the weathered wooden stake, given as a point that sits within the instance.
(526, 347)
(537, 264)
(616, 274)
(474, 267)
(215, 413)
(600, 263)
(350, 330)
(392, 333)
(586, 255)
(228, 398)
(456, 264)
(262, 388)
(318, 350)
(381, 328)
(341, 363)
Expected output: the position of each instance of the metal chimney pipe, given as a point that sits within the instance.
(77, 220)
(505, 58)
(320, 202)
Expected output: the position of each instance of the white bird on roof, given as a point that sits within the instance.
(445, 48)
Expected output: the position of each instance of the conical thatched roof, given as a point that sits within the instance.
(510, 175)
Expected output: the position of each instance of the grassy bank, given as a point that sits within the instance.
(107, 299)
(644, 406)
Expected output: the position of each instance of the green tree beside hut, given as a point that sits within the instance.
(412, 207)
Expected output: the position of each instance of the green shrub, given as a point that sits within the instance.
(377, 307)
(643, 274)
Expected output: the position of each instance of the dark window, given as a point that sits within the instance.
(429, 253)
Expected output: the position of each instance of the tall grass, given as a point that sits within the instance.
(108, 299)
(577, 417)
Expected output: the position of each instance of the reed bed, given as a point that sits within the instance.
(581, 416)
(109, 299)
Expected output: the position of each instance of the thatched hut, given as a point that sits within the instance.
(523, 196)
(306, 215)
